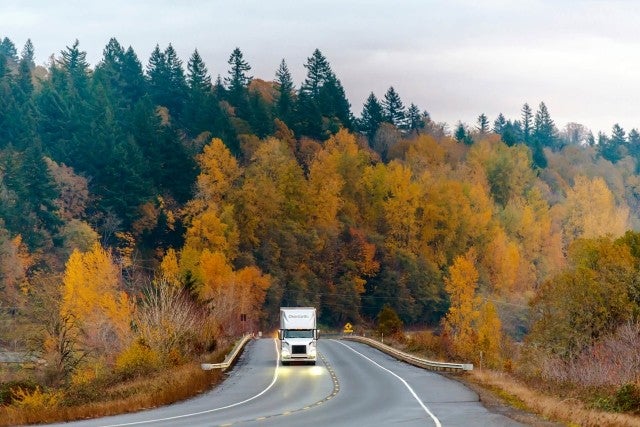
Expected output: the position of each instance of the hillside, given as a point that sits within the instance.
(142, 208)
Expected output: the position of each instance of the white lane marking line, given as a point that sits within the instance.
(275, 378)
(433, 417)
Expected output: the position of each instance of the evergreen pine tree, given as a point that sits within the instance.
(134, 83)
(178, 82)
(4, 68)
(614, 148)
(108, 73)
(322, 106)
(527, 123)
(618, 138)
(238, 81)
(219, 90)
(28, 54)
(415, 120)
(33, 213)
(318, 73)
(198, 78)
(483, 124)
(499, 123)
(25, 81)
(460, 132)
(74, 64)
(8, 49)
(372, 117)
(167, 82)
(544, 129)
(392, 108)
(285, 101)
(634, 144)
(261, 119)
(158, 75)
(334, 105)
(199, 109)
(512, 133)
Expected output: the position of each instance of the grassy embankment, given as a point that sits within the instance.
(564, 404)
(110, 396)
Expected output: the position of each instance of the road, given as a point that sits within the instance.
(351, 385)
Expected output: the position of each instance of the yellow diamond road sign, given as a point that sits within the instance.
(348, 328)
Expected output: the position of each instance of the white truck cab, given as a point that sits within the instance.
(298, 334)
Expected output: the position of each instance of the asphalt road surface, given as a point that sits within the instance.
(351, 385)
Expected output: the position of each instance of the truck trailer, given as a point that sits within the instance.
(298, 335)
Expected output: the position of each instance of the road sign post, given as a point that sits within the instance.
(348, 328)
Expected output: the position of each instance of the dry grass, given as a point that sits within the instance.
(568, 411)
(161, 388)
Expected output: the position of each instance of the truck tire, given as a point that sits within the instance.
(285, 363)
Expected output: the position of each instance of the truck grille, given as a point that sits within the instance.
(299, 349)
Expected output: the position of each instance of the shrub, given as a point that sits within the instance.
(137, 360)
(88, 373)
(36, 400)
(627, 398)
(169, 321)
(426, 342)
(8, 390)
(389, 322)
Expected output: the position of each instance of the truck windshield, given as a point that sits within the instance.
(292, 333)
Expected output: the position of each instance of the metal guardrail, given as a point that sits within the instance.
(413, 360)
(230, 358)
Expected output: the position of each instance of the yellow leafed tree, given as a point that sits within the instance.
(402, 207)
(169, 268)
(219, 172)
(92, 297)
(502, 259)
(459, 323)
(591, 211)
(325, 186)
(489, 335)
(214, 230)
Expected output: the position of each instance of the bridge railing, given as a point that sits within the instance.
(230, 359)
(413, 360)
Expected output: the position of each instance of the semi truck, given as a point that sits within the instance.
(298, 335)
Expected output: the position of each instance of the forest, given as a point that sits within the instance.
(143, 207)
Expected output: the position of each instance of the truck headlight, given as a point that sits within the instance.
(286, 351)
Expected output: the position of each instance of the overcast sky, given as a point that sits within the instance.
(454, 58)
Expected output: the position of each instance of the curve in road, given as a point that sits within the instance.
(355, 385)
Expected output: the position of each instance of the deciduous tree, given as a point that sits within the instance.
(459, 323)
(92, 295)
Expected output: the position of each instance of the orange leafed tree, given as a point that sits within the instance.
(230, 292)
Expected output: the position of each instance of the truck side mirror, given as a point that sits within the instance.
(315, 334)
(280, 334)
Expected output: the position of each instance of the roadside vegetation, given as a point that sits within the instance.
(588, 396)
(25, 401)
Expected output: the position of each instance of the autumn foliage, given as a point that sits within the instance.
(141, 219)
(94, 300)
